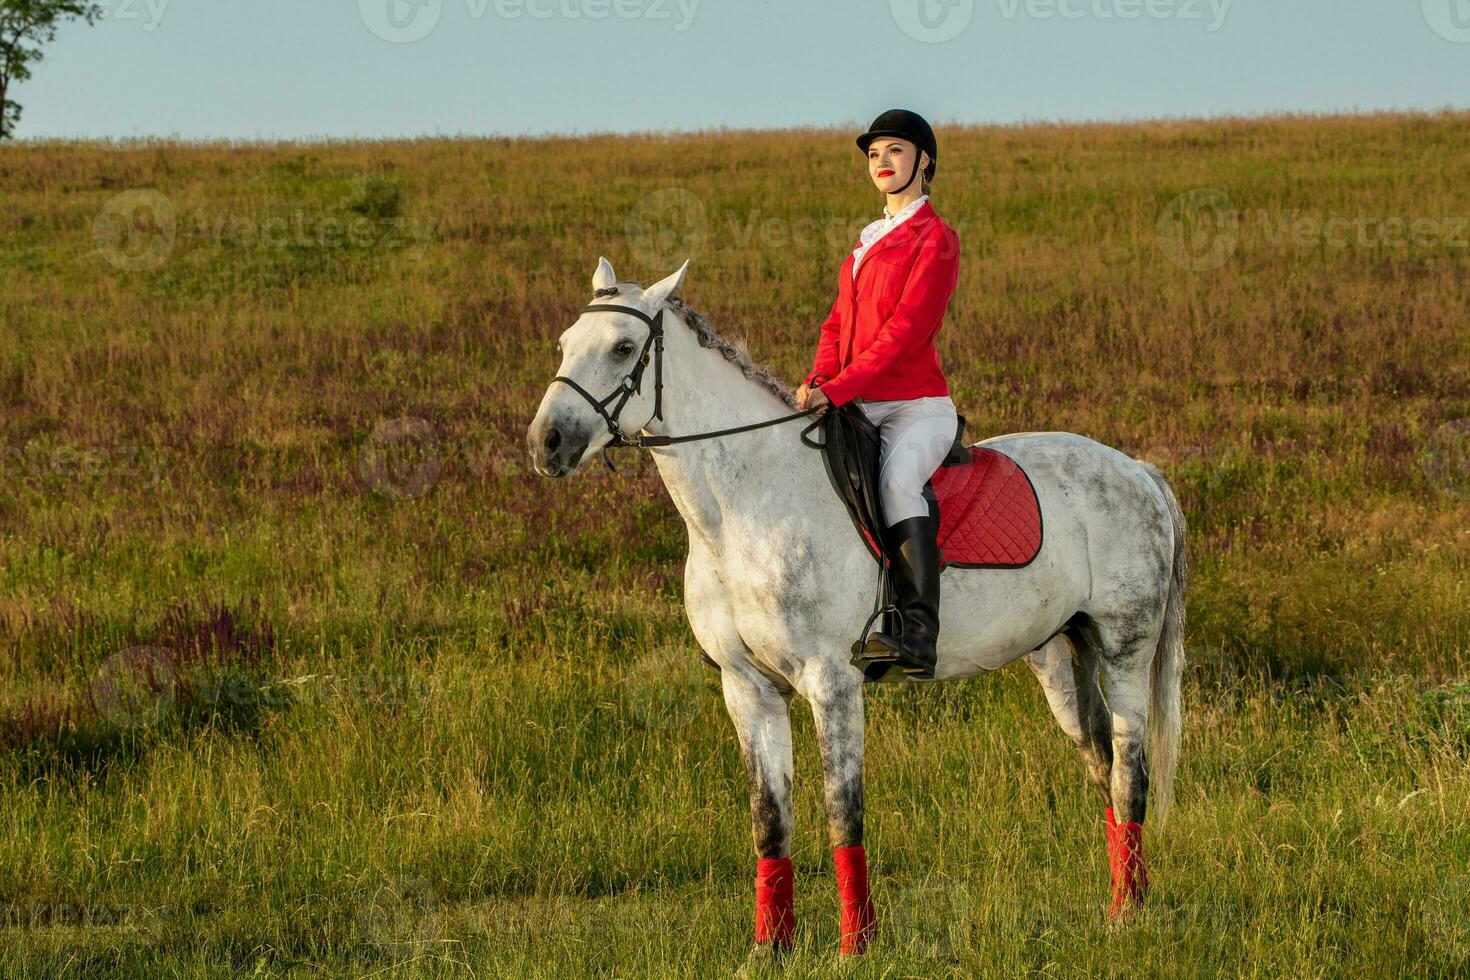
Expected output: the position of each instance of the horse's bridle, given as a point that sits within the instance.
(633, 382)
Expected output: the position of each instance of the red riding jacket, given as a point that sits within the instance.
(878, 341)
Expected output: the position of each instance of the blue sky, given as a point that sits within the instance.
(293, 69)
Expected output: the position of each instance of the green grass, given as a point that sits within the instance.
(451, 721)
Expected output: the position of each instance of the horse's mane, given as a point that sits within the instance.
(734, 350)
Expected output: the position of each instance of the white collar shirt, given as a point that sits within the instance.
(881, 227)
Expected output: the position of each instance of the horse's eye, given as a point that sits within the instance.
(623, 349)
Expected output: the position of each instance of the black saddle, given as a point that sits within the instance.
(852, 450)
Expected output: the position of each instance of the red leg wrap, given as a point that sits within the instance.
(859, 921)
(1125, 859)
(1112, 845)
(775, 910)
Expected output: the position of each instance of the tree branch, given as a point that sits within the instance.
(26, 26)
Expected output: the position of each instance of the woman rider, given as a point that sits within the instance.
(877, 350)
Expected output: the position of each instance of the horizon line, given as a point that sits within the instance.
(679, 134)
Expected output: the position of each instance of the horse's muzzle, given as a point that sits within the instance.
(554, 452)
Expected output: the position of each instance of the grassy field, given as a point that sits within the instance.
(306, 674)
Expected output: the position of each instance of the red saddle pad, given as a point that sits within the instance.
(988, 513)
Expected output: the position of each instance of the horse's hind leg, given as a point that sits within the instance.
(1067, 670)
(1109, 734)
(1126, 679)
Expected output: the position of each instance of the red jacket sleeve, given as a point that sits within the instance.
(914, 321)
(825, 363)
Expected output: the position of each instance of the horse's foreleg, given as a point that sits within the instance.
(763, 725)
(834, 691)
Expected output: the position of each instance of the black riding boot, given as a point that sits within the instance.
(915, 572)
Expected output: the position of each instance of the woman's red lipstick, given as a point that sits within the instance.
(885, 173)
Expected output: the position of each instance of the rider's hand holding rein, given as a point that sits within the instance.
(810, 397)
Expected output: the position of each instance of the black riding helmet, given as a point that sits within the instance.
(905, 125)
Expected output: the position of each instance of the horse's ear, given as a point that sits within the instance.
(604, 277)
(655, 295)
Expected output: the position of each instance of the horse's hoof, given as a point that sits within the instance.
(1124, 913)
(764, 959)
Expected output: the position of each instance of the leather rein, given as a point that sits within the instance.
(633, 382)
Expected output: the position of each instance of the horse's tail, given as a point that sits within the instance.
(1168, 667)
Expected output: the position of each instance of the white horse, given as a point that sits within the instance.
(777, 581)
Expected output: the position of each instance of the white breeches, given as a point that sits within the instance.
(916, 434)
